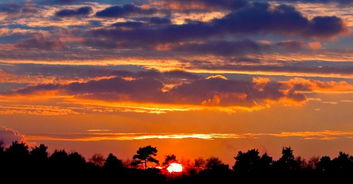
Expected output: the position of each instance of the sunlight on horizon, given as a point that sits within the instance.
(175, 168)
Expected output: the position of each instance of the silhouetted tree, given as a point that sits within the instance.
(97, 159)
(200, 163)
(214, 164)
(2, 149)
(145, 155)
(39, 153)
(250, 163)
(169, 159)
(324, 165)
(113, 163)
(18, 150)
(59, 160)
(16, 158)
(76, 160)
(2, 146)
(311, 164)
(343, 164)
(216, 172)
(39, 158)
(2, 156)
(287, 161)
(18, 153)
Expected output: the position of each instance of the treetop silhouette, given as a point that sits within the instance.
(169, 159)
(144, 155)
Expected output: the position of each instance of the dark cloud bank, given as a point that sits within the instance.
(189, 89)
(252, 18)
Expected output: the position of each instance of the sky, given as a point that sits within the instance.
(195, 78)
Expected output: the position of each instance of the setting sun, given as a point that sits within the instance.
(175, 167)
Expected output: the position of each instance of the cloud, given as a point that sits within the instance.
(301, 84)
(36, 110)
(123, 11)
(325, 135)
(201, 5)
(10, 8)
(128, 25)
(235, 48)
(162, 92)
(7, 136)
(323, 27)
(137, 31)
(83, 11)
(282, 68)
(223, 48)
(42, 42)
(17, 8)
(218, 91)
(159, 20)
(63, 1)
(341, 2)
(210, 91)
(261, 18)
(281, 19)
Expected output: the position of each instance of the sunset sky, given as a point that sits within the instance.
(196, 78)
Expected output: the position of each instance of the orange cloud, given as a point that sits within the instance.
(178, 5)
(36, 79)
(39, 110)
(217, 77)
(110, 136)
(320, 86)
(315, 45)
(140, 95)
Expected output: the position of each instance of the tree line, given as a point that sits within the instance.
(20, 163)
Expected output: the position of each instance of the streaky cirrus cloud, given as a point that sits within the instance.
(112, 136)
(235, 48)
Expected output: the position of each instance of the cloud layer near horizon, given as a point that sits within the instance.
(160, 92)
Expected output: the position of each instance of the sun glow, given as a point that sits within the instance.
(175, 167)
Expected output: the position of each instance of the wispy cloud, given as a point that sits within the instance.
(110, 136)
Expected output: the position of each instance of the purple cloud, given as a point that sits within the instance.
(83, 11)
